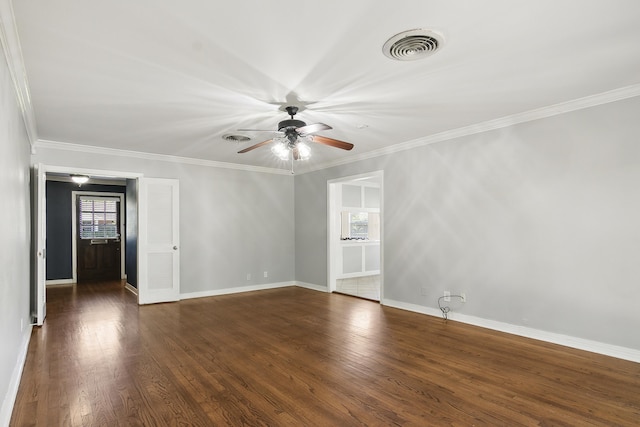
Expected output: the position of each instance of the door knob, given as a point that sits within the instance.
(175, 248)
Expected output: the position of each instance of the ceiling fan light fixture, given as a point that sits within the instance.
(413, 44)
(304, 151)
(283, 148)
(280, 149)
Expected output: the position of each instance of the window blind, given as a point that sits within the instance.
(99, 217)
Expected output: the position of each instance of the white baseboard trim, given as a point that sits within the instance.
(57, 282)
(240, 289)
(619, 352)
(312, 286)
(411, 307)
(128, 286)
(12, 392)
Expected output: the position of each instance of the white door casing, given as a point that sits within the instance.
(40, 255)
(335, 246)
(39, 205)
(158, 240)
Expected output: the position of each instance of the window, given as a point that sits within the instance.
(360, 226)
(99, 218)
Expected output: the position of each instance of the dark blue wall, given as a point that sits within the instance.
(131, 255)
(59, 217)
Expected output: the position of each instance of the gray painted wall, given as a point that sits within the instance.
(232, 222)
(16, 235)
(538, 223)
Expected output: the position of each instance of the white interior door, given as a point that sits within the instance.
(158, 241)
(41, 254)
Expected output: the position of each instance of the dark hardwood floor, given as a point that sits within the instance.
(293, 356)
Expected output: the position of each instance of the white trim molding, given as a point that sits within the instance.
(128, 286)
(523, 331)
(13, 52)
(527, 116)
(235, 290)
(251, 288)
(16, 375)
(311, 286)
(503, 122)
(58, 282)
(65, 146)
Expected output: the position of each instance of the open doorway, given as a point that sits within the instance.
(69, 247)
(156, 239)
(355, 235)
(98, 236)
(54, 218)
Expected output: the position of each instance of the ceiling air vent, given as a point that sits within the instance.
(235, 138)
(413, 44)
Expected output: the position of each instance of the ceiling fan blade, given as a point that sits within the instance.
(259, 130)
(332, 142)
(253, 147)
(296, 153)
(312, 128)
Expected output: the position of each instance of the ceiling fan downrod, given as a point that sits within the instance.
(291, 110)
(289, 126)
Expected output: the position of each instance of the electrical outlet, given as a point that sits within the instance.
(266, 274)
(447, 296)
(248, 276)
(464, 297)
(423, 291)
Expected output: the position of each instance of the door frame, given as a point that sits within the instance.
(333, 230)
(74, 230)
(41, 221)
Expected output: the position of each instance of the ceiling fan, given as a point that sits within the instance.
(293, 135)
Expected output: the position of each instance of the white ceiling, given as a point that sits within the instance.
(172, 77)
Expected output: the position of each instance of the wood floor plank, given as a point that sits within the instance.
(292, 356)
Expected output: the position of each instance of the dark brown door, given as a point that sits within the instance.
(99, 239)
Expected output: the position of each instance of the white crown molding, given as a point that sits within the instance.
(527, 116)
(523, 331)
(65, 146)
(15, 62)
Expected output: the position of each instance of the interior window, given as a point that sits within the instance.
(360, 226)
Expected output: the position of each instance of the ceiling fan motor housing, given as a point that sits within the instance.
(289, 128)
(291, 123)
